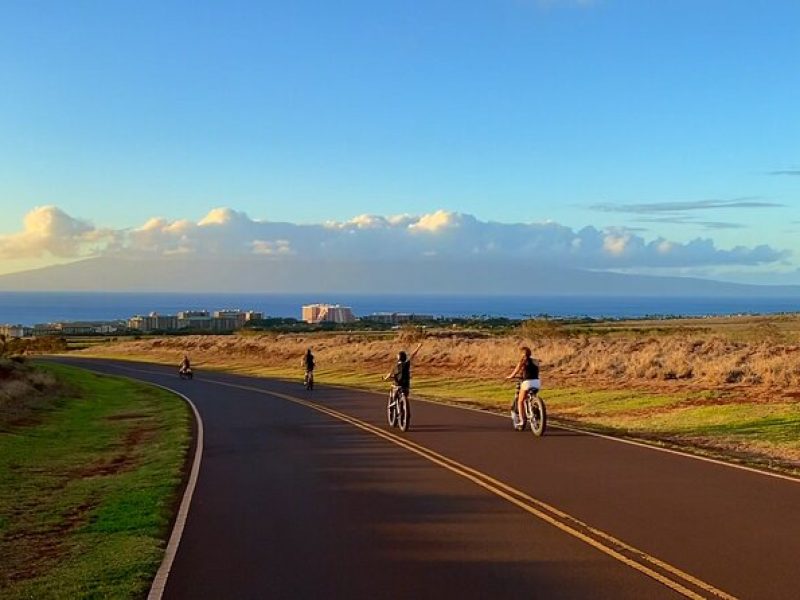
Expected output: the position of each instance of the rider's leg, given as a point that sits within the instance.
(521, 406)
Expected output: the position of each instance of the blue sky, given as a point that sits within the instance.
(624, 114)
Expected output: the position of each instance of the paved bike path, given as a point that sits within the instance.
(292, 502)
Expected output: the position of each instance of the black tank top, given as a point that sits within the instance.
(530, 370)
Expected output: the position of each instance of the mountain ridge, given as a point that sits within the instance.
(291, 275)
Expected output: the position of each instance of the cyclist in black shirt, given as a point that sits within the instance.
(401, 373)
(527, 371)
(308, 361)
(309, 364)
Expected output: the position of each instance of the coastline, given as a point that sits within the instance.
(28, 308)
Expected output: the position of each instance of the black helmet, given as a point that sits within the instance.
(401, 356)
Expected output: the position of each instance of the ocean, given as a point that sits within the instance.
(29, 308)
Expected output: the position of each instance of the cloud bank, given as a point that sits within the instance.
(49, 231)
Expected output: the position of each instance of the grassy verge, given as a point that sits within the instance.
(87, 490)
(716, 423)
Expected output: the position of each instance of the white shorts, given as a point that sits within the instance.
(528, 384)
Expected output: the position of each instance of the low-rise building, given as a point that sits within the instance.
(61, 328)
(15, 331)
(153, 322)
(195, 320)
(238, 317)
(327, 313)
(199, 320)
(46, 329)
(253, 315)
(394, 318)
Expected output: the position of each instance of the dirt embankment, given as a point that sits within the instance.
(677, 362)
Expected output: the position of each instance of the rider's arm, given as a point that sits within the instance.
(516, 371)
(391, 374)
(414, 353)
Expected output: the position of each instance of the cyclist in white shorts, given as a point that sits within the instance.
(527, 370)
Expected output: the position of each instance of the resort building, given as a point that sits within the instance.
(327, 313)
(195, 320)
(153, 322)
(239, 317)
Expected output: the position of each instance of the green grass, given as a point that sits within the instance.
(87, 493)
(763, 435)
(706, 422)
(776, 423)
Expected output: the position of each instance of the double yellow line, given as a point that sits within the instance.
(672, 577)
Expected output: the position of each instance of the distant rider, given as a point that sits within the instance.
(308, 363)
(401, 373)
(185, 365)
(527, 371)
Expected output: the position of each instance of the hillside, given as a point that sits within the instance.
(292, 275)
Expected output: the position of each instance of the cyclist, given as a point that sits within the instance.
(185, 365)
(401, 373)
(308, 363)
(527, 371)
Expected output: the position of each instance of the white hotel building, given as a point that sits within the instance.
(327, 313)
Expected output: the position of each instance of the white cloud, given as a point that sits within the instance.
(664, 247)
(615, 244)
(272, 248)
(48, 231)
(437, 221)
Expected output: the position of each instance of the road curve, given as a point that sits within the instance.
(309, 494)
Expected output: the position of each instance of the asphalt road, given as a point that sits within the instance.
(310, 495)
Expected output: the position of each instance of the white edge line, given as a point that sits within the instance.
(610, 438)
(160, 580)
(622, 440)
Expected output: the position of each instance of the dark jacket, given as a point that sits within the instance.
(401, 374)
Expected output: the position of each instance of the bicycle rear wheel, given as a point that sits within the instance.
(537, 414)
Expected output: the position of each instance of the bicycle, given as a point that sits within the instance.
(308, 380)
(535, 412)
(398, 409)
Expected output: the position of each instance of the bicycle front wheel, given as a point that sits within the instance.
(403, 412)
(391, 410)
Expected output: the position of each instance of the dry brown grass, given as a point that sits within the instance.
(677, 361)
(730, 396)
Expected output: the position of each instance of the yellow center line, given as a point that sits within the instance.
(538, 508)
(573, 526)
